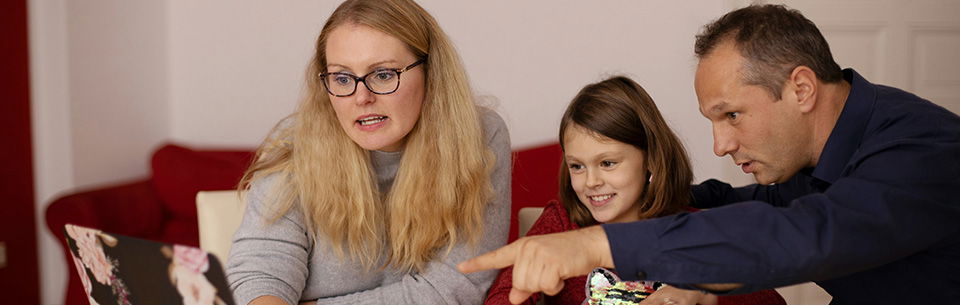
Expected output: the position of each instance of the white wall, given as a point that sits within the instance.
(119, 86)
(100, 87)
(534, 58)
(240, 64)
(50, 107)
(112, 79)
(237, 66)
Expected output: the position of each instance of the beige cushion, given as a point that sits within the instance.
(219, 214)
(525, 219)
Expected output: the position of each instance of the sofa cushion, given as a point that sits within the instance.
(181, 231)
(179, 173)
(535, 179)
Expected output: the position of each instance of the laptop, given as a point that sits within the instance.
(123, 270)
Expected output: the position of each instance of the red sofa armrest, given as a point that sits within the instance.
(129, 209)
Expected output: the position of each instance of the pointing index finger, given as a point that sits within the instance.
(496, 259)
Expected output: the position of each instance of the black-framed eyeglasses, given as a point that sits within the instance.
(384, 81)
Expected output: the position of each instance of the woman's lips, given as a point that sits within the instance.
(372, 122)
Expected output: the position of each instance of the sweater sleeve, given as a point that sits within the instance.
(268, 258)
(552, 220)
(441, 282)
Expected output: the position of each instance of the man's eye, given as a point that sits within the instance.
(733, 115)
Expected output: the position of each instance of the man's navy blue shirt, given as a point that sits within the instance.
(876, 221)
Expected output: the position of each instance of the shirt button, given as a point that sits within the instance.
(641, 276)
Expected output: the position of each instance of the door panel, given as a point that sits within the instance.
(911, 45)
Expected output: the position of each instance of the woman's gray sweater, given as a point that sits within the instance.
(281, 259)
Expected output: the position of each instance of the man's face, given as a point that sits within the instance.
(766, 137)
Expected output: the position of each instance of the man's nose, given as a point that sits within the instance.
(723, 142)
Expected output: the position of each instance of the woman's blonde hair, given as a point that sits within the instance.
(618, 108)
(443, 181)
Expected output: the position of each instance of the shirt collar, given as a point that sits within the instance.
(845, 138)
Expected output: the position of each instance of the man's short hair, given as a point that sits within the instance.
(773, 40)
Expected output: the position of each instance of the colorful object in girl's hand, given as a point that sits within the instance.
(605, 288)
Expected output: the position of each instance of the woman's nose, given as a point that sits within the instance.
(363, 95)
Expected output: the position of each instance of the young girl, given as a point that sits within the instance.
(621, 163)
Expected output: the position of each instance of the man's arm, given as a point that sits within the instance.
(714, 193)
(541, 263)
(899, 200)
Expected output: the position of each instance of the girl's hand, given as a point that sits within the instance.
(669, 295)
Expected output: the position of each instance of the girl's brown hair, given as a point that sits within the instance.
(619, 109)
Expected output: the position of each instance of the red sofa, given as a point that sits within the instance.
(535, 179)
(162, 207)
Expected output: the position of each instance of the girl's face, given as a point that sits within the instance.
(374, 121)
(608, 176)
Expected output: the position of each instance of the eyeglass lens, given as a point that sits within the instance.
(380, 82)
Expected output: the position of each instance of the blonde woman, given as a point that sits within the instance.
(386, 176)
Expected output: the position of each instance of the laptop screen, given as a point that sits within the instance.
(123, 270)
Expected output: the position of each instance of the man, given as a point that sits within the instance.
(858, 184)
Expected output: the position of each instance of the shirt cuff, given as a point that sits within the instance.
(631, 244)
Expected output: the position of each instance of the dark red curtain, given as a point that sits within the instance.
(19, 278)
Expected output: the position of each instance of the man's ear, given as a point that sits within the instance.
(803, 82)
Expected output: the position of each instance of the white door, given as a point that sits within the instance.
(912, 45)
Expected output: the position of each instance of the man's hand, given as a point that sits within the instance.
(541, 263)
